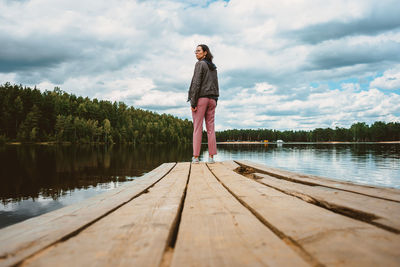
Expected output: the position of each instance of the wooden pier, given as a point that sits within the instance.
(223, 214)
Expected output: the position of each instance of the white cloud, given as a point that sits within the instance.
(389, 81)
(265, 88)
(159, 100)
(267, 53)
(138, 87)
(329, 108)
(350, 86)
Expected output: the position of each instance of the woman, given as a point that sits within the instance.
(203, 97)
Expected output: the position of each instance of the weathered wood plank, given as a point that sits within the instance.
(230, 164)
(333, 239)
(374, 191)
(135, 234)
(28, 237)
(216, 230)
(384, 213)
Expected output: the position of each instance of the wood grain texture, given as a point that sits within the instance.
(28, 237)
(230, 164)
(331, 238)
(216, 230)
(136, 234)
(381, 212)
(374, 191)
(227, 220)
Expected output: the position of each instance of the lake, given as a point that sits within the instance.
(36, 179)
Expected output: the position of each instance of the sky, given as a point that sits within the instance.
(285, 65)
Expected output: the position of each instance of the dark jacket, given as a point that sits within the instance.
(204, 82)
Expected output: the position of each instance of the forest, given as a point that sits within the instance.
(29, 115)
(358, 132)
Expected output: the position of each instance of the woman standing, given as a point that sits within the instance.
(203, 97)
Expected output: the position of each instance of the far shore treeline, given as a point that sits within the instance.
(28, 115)
(358, 132)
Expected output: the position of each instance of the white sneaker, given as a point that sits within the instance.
(195, 160)
(211, 160)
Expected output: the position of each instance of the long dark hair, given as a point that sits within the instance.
(205, 48)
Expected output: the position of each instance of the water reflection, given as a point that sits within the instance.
(51, 171)
(37, 179)
(375, 164)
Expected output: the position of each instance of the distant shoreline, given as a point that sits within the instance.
(222, 143)
(331, 142)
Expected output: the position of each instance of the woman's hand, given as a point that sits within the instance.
(194, 109)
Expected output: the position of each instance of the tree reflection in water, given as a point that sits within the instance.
(52, 171)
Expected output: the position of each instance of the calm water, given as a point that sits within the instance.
(37, 179)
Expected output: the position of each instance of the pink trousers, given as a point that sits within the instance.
(205, 110)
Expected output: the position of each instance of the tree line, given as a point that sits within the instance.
(358, 132)
(29, 115)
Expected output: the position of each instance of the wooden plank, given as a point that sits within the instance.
(28, 237)
(216, 230)
(333, 239)
(374, 191)
(383, 213)
(136, 234)
(230, 164)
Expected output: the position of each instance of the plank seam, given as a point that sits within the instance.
(173, 234)
(342, 210)
(309, 183)
(80, 229)
(287, 239)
